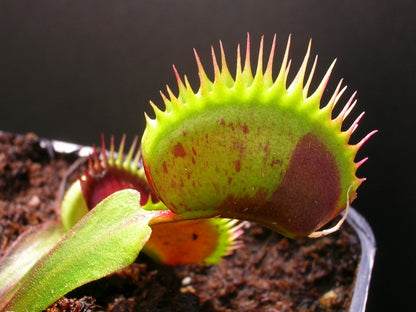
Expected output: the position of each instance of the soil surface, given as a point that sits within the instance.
(271, 273)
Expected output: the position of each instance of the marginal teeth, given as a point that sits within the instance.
(347, 108)
(354, 125)
(238, 77)
(225, 73)
(362, 161)
(188, 85)
(259, 70)
(174, 101)
(297, 82)
(337, 94)
(317, 94)
(128, 161)
(244, 79)
(119, 160)
(95, 165)
(158, 113)
(268, 75)
(113, 172)
(204, 82)
(308, 82)
(150, 123)
(280, 83)
(179, 81)
(247, 63)
(365, 139)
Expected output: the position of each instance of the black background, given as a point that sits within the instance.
(70, 70)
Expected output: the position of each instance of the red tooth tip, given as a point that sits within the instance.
(90, 163)
(366, 138)
(178, 78)
(362, 161)
(103, 150)
(354, 125)
(96, 160)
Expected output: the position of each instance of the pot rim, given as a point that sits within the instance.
(365, 266)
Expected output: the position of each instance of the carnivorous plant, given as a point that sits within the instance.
(249, 147)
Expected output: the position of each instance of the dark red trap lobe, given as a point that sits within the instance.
(96, 186)
(310, 191)
(306, 199)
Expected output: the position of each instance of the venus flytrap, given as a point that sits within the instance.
(251, 148)
(247, 147)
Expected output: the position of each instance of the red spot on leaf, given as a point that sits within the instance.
(179, 151)
(245, 129)
(266, 148)
(238, 165)
(238, 146)
(275, 162)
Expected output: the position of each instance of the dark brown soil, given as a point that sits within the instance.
(271, 273)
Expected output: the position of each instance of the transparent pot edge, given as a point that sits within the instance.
(354, 218)
(365, 267)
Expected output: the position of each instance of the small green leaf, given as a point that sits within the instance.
(26, 251)
(107, 239)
